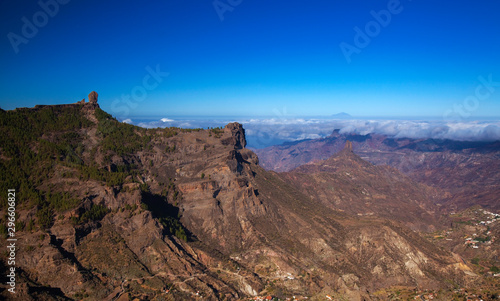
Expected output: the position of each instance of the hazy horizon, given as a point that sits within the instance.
(264, 131)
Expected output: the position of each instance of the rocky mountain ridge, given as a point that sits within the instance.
(464, 171)
(110, 211)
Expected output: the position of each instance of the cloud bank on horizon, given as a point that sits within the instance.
(271, 131)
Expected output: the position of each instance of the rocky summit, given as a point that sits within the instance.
(111, 211)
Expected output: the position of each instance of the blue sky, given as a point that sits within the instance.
(260, 58)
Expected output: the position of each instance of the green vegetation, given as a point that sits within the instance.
(96, 213)
(3, 229)
(38, 146)
(28, 152)
(45, 217)
(60, 201)
(34, 142)
(483, 238)
(130, 207)
(120, 138)
(170, 149)
(116, 177)
(31, 139)
(470, 223)
(174, 227)
(31, 225)
(144, 188)
(169, 132)
(217, 132)
(191, 130)
(81, 295)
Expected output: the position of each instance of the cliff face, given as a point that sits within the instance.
(125, 212)
(218, 196)
(109, 218)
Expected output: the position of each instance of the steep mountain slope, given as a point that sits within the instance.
(465, 171)
(348, 183)
(468, 175)
(93, 218)
(109, 211)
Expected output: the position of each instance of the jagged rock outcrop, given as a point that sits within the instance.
(237, 135)
(93, 97)
(348, 146)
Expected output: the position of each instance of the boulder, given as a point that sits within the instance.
(93, 97)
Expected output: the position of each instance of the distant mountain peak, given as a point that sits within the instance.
(341, 115)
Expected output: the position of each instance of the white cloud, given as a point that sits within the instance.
(308, 136)
(269, 131)
(464, 131)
